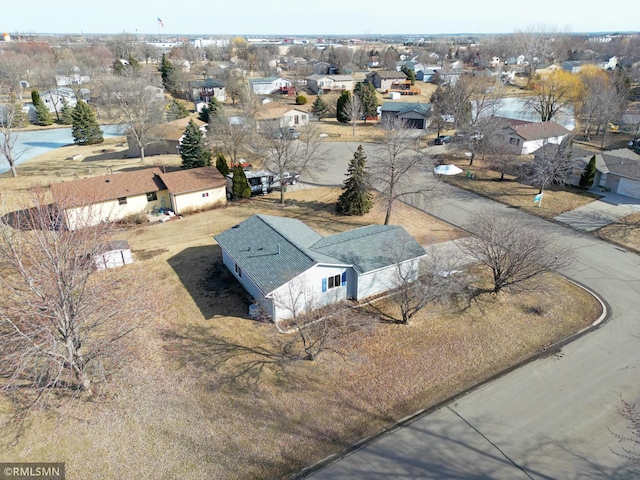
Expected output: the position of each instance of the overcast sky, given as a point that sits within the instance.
(307, 17)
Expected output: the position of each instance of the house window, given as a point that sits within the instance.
(151, 197)
(514, 141)
(238, 270)
(296, 119)
(122, 201)
(334, 281)
(205, 194)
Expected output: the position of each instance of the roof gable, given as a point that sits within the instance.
(193, 180)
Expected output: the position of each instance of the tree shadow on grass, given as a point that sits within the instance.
(211, 286)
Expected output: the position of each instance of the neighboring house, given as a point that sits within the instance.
(617, 171)
(203, 91)
(495, 62)
(53, 100)
(321, 68)
(89, 201)
(72, 79)
(386, 80)
(270, 85)
(526, 138)
(447, 76)
(275, 116)
(288, 267)
(573, 67)
(319, 84)
(426, 75)
(166, 138)
(415, 115)
(156, 93)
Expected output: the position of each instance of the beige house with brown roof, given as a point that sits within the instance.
(280, 116)
(89, 201)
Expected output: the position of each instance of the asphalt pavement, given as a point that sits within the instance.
(550, 419)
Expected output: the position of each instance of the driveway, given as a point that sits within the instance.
(600, 213)
(550, 419)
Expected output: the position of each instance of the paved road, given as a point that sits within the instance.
(548, 420)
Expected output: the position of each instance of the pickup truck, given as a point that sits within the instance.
(290, 178)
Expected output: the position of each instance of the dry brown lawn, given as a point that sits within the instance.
(624, 232)
(165, 412)
(487, 182)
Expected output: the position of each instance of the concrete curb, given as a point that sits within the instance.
(408, 420)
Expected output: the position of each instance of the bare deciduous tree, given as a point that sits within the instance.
(515, 251)
(142, 108)
(285, 153)
(396, 164)
(353, 111)
(59, 317)
(9, 123)
(233, 135)
(552, 163)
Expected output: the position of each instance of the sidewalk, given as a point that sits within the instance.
(600, 213)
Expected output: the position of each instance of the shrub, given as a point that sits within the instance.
(301, 100)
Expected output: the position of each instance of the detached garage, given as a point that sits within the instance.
(415, 115)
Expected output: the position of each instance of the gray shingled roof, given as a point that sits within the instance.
(540, 130)
(401, 108)
(274, 250)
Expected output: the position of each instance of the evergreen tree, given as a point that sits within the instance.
(176, 110)
(43, 115)
(411, 75)
(341, 105)
(320, 108)
(85, 128)
(366, 92)
(166, 69)
(66, 113)
(211, 111)
(240, 187)
(356, 199)
(193, 150)
(221, 164)
(19, 119)
(589, 173)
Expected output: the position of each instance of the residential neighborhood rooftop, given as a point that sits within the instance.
(539, 131)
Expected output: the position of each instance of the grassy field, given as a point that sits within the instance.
(510, 191)
(168, 407)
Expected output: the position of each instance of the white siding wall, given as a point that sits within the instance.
(533, 145)
(200, 199)
(305, 292)
(385, 279)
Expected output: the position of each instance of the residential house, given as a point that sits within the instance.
(426, 74)
(319, 84)
(573, 67)
(322, 68)
(203, 91)
(448, 76)
(415, 115)
(270, 85)
(526, 138)
(54, 99)
(288, 268)
(495, 62)
(165, 138)
(388, 80)
(617, 171)
(89, 201)
(274, 116)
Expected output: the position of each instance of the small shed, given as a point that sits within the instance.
(116, 254)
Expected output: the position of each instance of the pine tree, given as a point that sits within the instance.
(176, 110)
(85, 128)
(320, 108)
(589, 173)
(66, 113)
(166, 69)
(411, 75)
(193, 149)
(367, 94)
(43, 115)
(356, 199)
(211, 111)
(341, 105)
(240, 187)
(221, 164)
(19, 119)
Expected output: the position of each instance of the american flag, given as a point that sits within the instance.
(160, 22)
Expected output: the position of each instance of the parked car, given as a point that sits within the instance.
(290, 178)
(442, 139)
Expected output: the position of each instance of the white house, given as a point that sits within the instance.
(326, 83)
(89, 201)
(288, 267)
(269, 85)
(272, 115)
(526, 138)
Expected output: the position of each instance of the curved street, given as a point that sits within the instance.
(552, 418)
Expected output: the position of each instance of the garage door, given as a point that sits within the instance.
(628, 187)
(414, 122)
